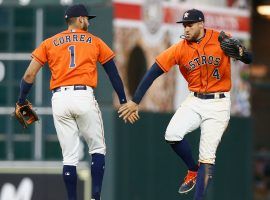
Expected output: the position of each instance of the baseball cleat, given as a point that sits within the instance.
(189, 182)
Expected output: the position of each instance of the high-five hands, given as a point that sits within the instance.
(129, 112)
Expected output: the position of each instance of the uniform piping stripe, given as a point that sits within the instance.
(109, 58)
(102, 128)
(206, 63)
(161, 66)
(37, 59)
(190, 45)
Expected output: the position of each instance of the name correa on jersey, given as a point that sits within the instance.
(61, 53)
(72, 38)
(202, 60)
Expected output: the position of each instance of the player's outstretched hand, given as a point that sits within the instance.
(129, 111)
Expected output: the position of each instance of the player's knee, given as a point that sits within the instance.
(98, 150)
(72, 162)
(70, 159)
(172, 137)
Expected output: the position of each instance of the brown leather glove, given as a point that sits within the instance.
(25, 114)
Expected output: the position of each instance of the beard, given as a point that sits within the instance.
(193, 38)
(85, 27)
(189, 38)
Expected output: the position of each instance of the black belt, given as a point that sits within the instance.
(75, 87)
(209, 96)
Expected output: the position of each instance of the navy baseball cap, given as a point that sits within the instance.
(77, 10)
(192, 16)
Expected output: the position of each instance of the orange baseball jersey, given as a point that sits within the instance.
(204, 65)
(72, 56)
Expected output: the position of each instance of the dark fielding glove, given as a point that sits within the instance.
(233, 48)
(25, 114)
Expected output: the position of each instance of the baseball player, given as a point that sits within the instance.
(205, 65)
(72, 56)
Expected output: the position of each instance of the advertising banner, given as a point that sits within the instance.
(39, 180)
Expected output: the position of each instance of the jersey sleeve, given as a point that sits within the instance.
(167, 59)
(40, 53)
(105, 53)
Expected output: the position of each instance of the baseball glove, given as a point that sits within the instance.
(231, 46)
(25, 114)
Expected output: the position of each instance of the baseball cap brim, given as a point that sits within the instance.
(91, 16)
(189, 21)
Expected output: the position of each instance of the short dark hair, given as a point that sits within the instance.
(71, 20)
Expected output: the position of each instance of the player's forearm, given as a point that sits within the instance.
(29, 75)
(24, 90)
(154, 72)
(29, 78)
(116, 80)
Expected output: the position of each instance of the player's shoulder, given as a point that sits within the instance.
(45, 42)
(175, 48)
(180, 44)
(95, 38)
(214, 33)
(59, 34)
(51, 38)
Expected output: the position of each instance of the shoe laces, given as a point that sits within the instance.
(190, 176)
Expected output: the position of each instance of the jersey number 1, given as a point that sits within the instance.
(71, 50)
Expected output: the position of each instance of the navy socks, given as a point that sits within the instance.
(97, 172)
(182, 149)
(204, 178)
(70, 179)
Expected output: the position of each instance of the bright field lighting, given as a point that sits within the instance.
(263, 9)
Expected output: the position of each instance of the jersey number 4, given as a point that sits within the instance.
(71, 50)
(216, 73)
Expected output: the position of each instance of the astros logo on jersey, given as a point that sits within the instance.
(202, 60)
(204, 65)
